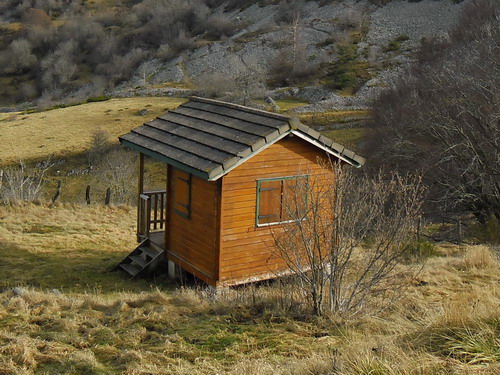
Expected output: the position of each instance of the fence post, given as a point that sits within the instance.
(459, 231)
(58, 192)
(108, 196)
(87, 194)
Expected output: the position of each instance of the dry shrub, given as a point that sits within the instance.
(479, 257)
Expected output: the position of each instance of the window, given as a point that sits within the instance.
(281, 200)
(182, 193)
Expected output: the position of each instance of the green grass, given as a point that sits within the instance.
(346, 137)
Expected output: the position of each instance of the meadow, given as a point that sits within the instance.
(63, 132)
(62, 310)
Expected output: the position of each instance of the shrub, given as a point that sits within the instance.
(218, 26)
(101, 98)
(346, 71)
(392, 46)
(488, 232)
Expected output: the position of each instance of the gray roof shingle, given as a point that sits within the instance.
(209, 138)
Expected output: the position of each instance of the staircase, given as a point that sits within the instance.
(143, 259)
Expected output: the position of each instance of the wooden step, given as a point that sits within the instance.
(130, 269)
(139, 260)
(155, 247)
(148, 251)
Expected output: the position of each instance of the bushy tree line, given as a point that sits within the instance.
(443, 117)
(62, 45)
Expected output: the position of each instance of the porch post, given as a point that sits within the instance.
(140, 189)
(168, 188)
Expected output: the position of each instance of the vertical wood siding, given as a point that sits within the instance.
(246, 251)
(193, 241)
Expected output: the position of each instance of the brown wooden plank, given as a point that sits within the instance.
(246, 249)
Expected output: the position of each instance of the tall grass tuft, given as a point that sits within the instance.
(479, 257)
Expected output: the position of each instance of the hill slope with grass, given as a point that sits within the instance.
(62, 311)
(66, 131)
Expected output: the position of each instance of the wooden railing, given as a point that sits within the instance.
(151, 212)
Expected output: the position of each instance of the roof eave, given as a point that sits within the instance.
(163, 158)
(356, 160)
(242, 160)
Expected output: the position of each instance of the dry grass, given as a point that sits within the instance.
(68, 130)
(100, 323)
(46, 246)
(479, 257)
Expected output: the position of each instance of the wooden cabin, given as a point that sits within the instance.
(222, 163)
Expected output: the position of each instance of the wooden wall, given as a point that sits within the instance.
(246, 252)
(193, 241)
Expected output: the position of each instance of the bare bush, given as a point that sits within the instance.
(115, 170)
(19, 57)
(99, 145)
(215, 85)
(249, 85)
(59, 68)
(23, 183)
(442, 118)
(347, 236)
(218, 26)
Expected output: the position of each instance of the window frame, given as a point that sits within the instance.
(188, 181)
(281, 179)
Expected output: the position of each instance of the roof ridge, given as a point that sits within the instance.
(240, 108)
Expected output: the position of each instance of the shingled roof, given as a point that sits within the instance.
(208, 138)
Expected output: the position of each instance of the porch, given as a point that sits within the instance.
(151, 235)
(152, 217)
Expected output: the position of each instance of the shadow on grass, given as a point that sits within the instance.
(80, 270)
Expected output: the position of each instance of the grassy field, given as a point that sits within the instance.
(66, 131)
(70, 315)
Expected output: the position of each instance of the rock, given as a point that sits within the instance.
(18, 291)
(272, 103)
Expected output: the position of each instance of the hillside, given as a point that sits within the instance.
(319, 50)
(64, 313)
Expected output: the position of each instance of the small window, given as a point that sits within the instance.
(281, 200)
(182, 193)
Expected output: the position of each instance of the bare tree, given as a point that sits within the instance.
(346, 239)
(292, 64)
